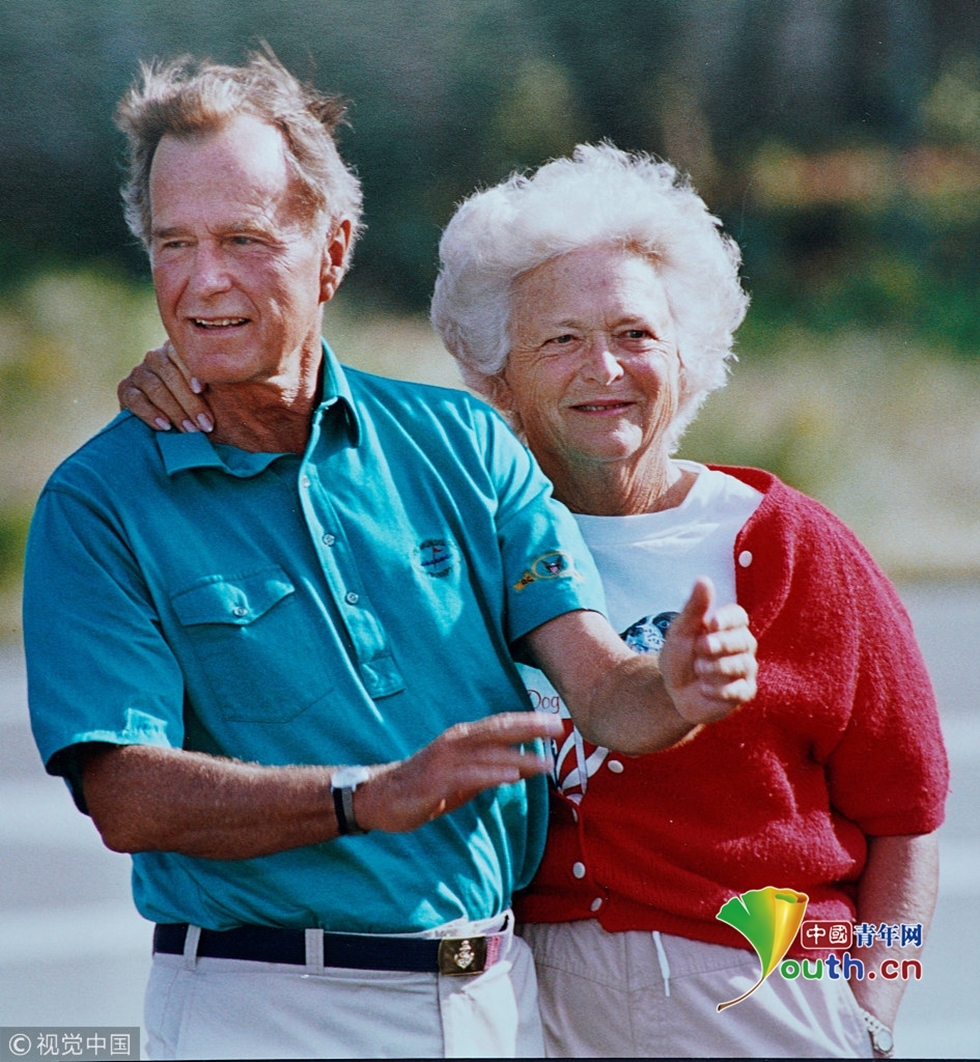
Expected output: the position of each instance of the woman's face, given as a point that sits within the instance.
(593, 372)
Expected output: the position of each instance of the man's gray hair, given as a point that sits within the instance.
(187, 98)
(600, 196)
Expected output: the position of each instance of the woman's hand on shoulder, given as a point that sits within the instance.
(164, 395)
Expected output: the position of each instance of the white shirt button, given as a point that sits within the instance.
(351, 598)
(240, 610)
(328, 539)
(596, 904)
(578, 869)
(304, 480)
(744, 558)
(615, 766)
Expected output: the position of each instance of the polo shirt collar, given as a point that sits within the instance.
(336, 389)
(181, 451)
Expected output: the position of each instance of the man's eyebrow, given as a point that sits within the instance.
(248, 225)
(166, 233)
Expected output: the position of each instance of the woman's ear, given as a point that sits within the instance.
(498, 392)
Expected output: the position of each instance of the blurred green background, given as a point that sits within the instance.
(839, 140)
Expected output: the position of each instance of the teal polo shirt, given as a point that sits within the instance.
(342, 606)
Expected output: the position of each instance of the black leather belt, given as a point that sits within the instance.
(451, 956)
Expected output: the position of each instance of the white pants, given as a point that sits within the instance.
(622, 995)
(227, 1008)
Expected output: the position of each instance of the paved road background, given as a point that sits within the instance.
(73, 950)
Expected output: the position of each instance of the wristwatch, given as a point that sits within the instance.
(343, 783)
(882, 1041)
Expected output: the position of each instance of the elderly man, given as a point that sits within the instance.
(339, 574)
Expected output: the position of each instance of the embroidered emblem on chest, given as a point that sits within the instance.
(436, 557)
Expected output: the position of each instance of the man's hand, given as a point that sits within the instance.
(162, 393)
(462, 762)
(708, 659)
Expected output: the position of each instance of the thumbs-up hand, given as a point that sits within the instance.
(708, 659)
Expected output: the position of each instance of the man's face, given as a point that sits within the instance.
(238, 272)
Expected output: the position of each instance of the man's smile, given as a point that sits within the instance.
(218, 322)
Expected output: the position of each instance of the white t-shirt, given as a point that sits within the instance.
(648, 564)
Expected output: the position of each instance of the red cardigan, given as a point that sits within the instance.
(842, 742)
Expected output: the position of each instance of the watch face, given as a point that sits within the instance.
(883, 1041)
(349, 777)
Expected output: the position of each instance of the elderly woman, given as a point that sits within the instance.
(595, 303)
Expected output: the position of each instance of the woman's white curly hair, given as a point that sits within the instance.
(599, 196)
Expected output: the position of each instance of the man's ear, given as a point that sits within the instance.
(334, 263)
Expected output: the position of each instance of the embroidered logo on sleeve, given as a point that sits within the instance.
(548, 566)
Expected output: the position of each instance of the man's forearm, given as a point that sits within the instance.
(143, 799)
(639, 702)
(629, 709)
(615, 697)
(146, 799)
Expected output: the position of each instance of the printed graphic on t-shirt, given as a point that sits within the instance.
(577, 760)
(647, 634)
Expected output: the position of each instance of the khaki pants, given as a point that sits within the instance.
(619, 995)
(225, 1008)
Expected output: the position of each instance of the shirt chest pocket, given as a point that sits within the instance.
(257, 651)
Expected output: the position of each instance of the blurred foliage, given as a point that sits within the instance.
(869, 235)
(13, 538)
(838, 139)
(66, 338)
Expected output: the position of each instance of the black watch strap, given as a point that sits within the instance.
(343, 805)
(343, 784)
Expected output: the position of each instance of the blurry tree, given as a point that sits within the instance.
(449, 94)
(839, 141)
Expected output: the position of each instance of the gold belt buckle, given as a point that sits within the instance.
(462, 956)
